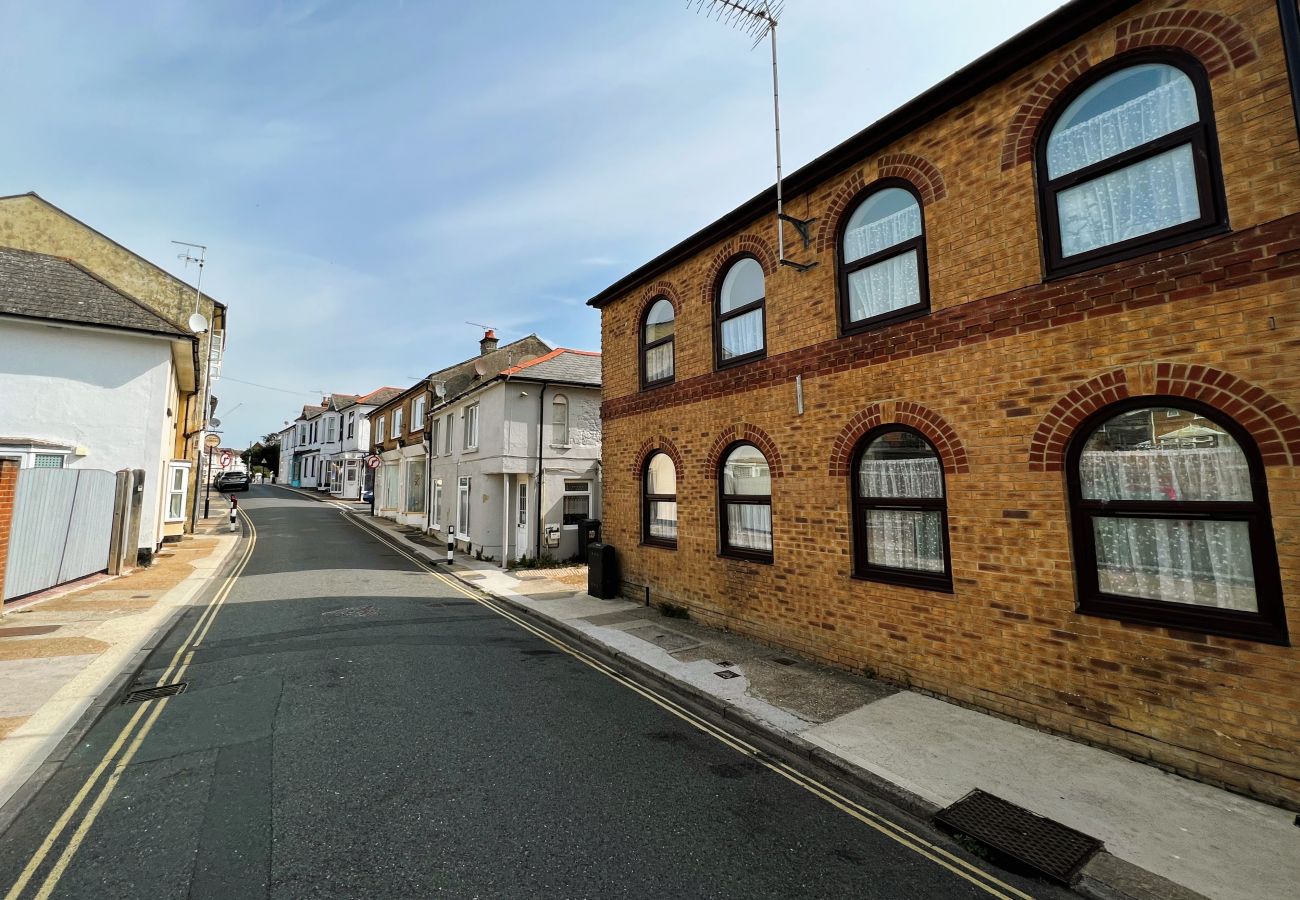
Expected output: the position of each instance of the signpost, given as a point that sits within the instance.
(211, 442)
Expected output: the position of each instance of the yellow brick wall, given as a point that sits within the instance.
(1007, 639)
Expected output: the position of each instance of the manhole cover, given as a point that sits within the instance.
(727, 673)
(1050, 847)
(783, 661)
(154, 693)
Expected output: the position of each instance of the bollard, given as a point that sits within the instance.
(451, 548)
(234, 513)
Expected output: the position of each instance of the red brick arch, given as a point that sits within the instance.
(952, 454)
(655, 444)
(915, 170)
(745, 243)
(1220, 42)
(1274, 427)
(661, 289)
(835, 209)
(754, 435)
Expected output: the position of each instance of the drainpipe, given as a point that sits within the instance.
(541, 434)
(1289, 21)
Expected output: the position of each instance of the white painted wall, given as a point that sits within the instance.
(106, 391)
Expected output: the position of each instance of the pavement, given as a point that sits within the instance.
(62, 649)
(1165, 836)
(355, 724)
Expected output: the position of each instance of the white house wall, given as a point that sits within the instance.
(106, 391)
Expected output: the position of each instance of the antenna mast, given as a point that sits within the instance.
(758, 18)
(191, 258)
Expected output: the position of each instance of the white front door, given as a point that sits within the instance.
(522, 537)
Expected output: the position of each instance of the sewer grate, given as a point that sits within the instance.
(727, 673)
(154, 693)
(783, 661)
(1049, 847)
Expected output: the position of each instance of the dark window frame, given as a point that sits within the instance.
(844, 269)
(719, 317)
(1268, 625)
(647, 346)
(863, 568)
(647, 498)
(724, 548)
(1202, 136)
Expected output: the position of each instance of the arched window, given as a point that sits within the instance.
(745, 489)
(657, 343)
(739, 327)
(1130, 163)
(882, 259)
(900, 513)
(1170, 521)
(560, 421)
(659, 501)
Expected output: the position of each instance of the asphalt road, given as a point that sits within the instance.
(355, 727)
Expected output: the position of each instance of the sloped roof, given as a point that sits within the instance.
(379, 396)
(464, 376)
(311, 412)
(561, 364)
(39, 286)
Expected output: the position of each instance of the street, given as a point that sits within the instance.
(355, 726)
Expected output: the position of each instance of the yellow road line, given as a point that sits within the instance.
(936, 854)
(209, 613)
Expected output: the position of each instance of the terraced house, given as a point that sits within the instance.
(1021, 427)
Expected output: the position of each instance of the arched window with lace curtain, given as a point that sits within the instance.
(739, 324)
(659, 501)
(1129, 162)
(882, 267)
(657, 343)
(900, 510)
(745, 503)
(560, 421)
(1170, 520)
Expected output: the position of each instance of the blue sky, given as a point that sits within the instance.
(369, 176)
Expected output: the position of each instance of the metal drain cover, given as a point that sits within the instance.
(154, 693)
(727, 673)
(1049, 847)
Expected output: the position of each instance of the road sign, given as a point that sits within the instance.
(225, 459)
(212, 440)
(373, 461)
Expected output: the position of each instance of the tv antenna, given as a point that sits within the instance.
(198, 324)
(758, 18)
(484, 327)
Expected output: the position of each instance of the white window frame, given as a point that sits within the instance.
(435, 435)
(471, 426)
(177, 466)
(436, 514)
(417, 414)
(464, 486)
(451, 431)
(352, 417)
(396, 430)
(411, 466)
(559, 422)
(568, 492)
(380, 430)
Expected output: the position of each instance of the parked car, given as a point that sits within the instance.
(231, 481)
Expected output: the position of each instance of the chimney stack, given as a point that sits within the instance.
(488, 344)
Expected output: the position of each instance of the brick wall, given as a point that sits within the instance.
(8, 486)
(996, 375)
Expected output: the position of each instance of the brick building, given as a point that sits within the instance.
(1025, 434)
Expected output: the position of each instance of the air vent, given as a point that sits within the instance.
(155, 693)
(1046, 846)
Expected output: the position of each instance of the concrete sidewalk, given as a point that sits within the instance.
(1165, 836)
(61, 650)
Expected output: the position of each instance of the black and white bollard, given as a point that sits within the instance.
(234, 513)
(451, 548)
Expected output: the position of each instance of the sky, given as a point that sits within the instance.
(369, 177)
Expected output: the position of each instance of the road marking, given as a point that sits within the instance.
(914, 842)
(184, 650)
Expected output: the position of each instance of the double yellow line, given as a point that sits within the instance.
(174, 672)
(914, 842)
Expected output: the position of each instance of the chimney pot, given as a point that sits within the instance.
(489, 342)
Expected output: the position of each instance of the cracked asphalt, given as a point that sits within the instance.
(353, 727)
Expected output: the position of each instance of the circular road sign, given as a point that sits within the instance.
(373, 461)
(225, 459)
(212, 440)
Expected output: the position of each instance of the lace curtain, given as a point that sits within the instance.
(749, 526)
(1165, 109)
(874, 236)
(888, 285)
(743, 334)
(663, 519)
(903, 538)
(1196, 561)
(659, 362)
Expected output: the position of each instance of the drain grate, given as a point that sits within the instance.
(783, 661)
(1049, 847)
(727, 673)
(154, 693)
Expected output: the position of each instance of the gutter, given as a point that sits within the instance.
(1288, 16)
(541, 434)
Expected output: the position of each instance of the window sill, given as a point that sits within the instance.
(904, 579)
(1204, 620)
(719, 364)
(885, 320)
(1063, 269)
(659, 545)
(662, 382)
(766, 559)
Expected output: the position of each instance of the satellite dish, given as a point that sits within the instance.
(440, 389)
(479, 368)
(215, 423)
(198, 324)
